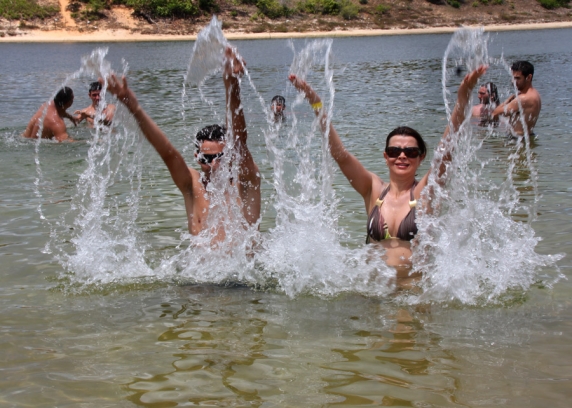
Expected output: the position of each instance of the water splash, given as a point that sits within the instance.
(208, 53)
(303, 252)
(470, 250)
(96, 240)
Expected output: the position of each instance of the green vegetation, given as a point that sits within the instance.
(319, 6)
(25, 9)
(454, 3)
(348, 10)
(382, 9)
(272, 8)
(163, 8)
(553, 4)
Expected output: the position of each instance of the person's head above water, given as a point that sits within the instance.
(493, 93)
(64, 98)
(407, 131)
(278, 105)
(94, 92)
(95, 86)
(209, 143)
(522, 73)
(488, 93)
(525, 67)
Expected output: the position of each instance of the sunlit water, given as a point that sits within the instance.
(321, 326)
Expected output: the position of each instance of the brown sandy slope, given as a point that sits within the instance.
(120, 24)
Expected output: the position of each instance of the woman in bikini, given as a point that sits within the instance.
(391, 205)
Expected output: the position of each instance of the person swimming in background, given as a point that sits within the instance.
(527, 98)
(90, 112)
(48, 121)
(489, 99)
(391, 205)
(277, 106)
(210, 147)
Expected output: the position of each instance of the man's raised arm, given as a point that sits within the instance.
(173, 159)
(232, 71)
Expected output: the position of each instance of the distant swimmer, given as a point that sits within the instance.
(210, 143)
(489, 99)
(90, 112)
(53, 114)
(528, 98)
(278, 105)
(391, 205)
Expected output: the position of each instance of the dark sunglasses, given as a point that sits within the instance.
(208, 158)
(410, 152)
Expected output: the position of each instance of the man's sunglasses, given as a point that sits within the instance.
(208, 158)
(410, 152)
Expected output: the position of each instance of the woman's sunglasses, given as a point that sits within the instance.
(208, 158)
(410, 152)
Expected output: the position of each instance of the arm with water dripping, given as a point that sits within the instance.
(359, 177)
(444, 149)
(249, 175)
(171, 156)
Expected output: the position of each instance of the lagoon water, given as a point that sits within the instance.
(106, 320)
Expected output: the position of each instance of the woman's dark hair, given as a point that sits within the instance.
(63, 97)
(493, 93)
(407, 131)
(213, 133)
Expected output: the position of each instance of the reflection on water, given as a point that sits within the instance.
(230, 348)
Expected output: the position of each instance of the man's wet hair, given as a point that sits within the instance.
(525, 67)
(214, 133)
(94, 86)
(279, 99)
(407, 131)
(63, 97)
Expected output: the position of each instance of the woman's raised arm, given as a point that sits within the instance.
(358, 176)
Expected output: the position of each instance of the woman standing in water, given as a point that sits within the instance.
(391, 205)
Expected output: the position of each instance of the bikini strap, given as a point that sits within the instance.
(412, 200)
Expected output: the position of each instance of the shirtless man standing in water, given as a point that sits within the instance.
(528, 97)
(210, 143)
(53, 114)
(90, 112)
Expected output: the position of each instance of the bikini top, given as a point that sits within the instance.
(377, 227)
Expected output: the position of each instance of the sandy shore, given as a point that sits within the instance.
(38, 36)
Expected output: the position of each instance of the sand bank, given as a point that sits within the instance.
(39, 36)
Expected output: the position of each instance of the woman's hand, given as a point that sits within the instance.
(303, 86)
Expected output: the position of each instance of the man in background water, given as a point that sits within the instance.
(528, 98)
(90, 112)
(52, 126)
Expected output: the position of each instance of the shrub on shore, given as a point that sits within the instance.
(25, 9)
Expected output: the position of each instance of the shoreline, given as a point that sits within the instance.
(74, 36)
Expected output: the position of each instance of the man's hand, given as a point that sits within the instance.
(74, 119)
(233, 67)
(81, 115)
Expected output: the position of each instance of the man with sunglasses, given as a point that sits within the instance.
(210, 143)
